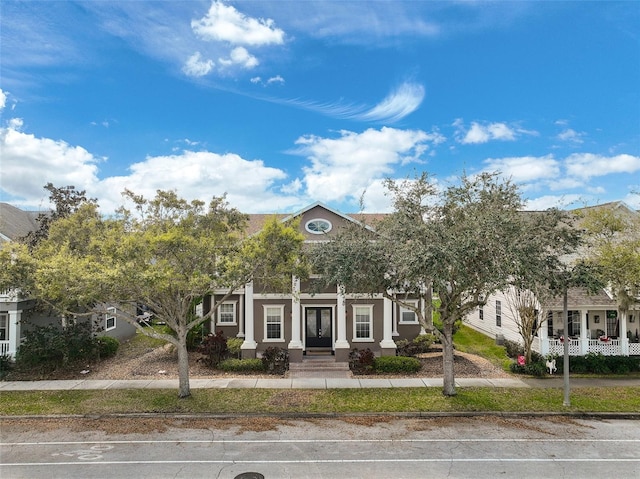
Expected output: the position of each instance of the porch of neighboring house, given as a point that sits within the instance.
(605, 332)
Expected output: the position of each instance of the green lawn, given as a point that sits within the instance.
(334, 401)
(471, 341)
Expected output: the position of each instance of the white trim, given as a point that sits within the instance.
(110, 314)
(368, 339)
(265, 307)
(318, 220)
(235, 314)
(4, 315)
(403, 310)
(333, 296)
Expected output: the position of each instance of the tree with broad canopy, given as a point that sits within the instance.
(166, 253)
(461, 243)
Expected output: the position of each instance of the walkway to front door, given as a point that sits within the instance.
(318, 327)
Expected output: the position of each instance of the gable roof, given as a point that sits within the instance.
(16, 223)
(257, 221)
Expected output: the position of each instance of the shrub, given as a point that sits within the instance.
(107, 346)
(234, 346)
(275, 360)
(195, 337)
(513, 348)
(534, 368)
(361, 361)
(49, 347)
(6, 364)
(214, 348)
(397, 364)
(420, 344)
(241, 365)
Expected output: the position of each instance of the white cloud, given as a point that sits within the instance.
(525, 168)
(484, 133)
(571, 136)
(402, 102)
(240, 56)
(3, 99)
(29, 163)
(195, 66)
(587, 165)
(343, 167)
(202, 175)
(226, 24)
(550, 201)
(256, 80)
(399, 103)
(275, 79)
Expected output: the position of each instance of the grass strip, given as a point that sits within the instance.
(274, 401)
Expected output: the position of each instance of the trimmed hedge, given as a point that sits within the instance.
(591, 363)
(396, 364)
(241, 365)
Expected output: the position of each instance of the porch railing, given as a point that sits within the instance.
(606, 348)
(4, 348)
(634, 349)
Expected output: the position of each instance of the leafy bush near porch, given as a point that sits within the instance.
(534, 368)
(6, 364)
(50, 347)
(107, 346)
(241, 365)
(234, 346)
(275, 360)
(515, 349)
(361, 361)
(214, 348)
(396, 364)
(420, 344)
(596, 363)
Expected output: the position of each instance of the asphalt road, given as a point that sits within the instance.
(481, 447)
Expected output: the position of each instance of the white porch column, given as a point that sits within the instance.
(241, 318)
(584, 339)
(387, 342)
(14, 332)
(296, 340)
(395, 332)
(624, 341)
(341, 345)
(249, 345)
(543, 338)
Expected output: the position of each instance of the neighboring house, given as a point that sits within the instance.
(310, 320)
(18, 313)
(595, 324)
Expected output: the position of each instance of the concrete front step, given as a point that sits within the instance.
(319, 368)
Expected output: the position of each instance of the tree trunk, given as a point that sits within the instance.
(527, 349)
(183, 368)
(447, 358)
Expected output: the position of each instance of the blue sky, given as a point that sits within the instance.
(280, 104)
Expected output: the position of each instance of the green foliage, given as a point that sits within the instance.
(241, 365)
(470, 341)
(50, 347)
(396, 364)
(419, 344)
(534, 368)
(234, 345)
(361, 361)
(195, 337)
(107, 346)
(214, 348)
(6, 364)
(596, 363)
(275, 360)
(513, 348)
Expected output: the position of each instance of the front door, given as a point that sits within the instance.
(318, 327)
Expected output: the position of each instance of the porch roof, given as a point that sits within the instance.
(580, 297)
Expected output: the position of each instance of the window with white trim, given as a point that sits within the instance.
(498, 313)
(110, 319)
(4, 326)
(408, 316)
(227, 314)
(362, 322)
(274, 322)
(318, 226)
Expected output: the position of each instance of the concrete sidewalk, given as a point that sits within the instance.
(306, 383)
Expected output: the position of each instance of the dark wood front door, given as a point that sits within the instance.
(318, 327)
